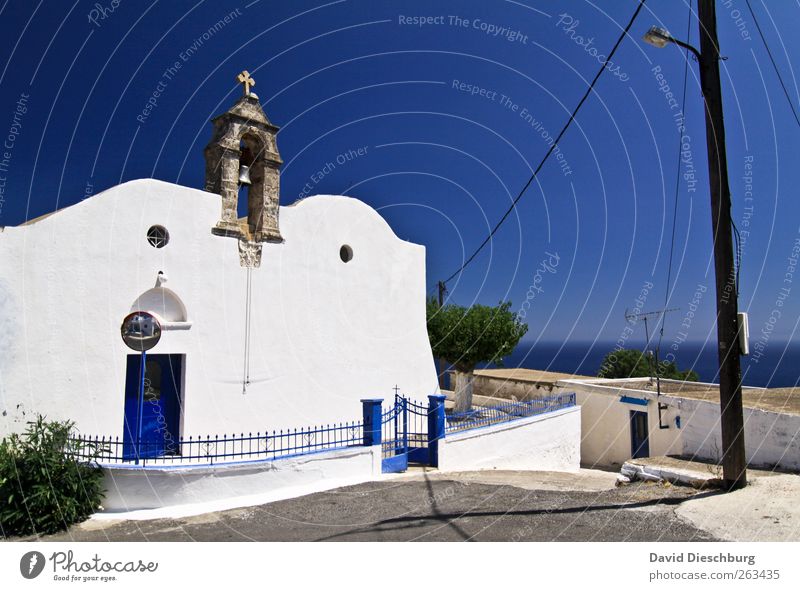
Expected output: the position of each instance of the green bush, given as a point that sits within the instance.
(630, 363)
(42, 489)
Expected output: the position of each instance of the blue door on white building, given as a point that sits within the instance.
(640, 441)
(152, 406)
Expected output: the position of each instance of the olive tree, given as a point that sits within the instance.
(468, 336)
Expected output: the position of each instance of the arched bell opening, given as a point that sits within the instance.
(250, 178)
(242, 166)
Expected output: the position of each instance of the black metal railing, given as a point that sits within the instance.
(217, 448)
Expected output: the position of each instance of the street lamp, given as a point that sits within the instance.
(728, 348)
(658, 37)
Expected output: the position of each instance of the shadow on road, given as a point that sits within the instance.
(438, 517)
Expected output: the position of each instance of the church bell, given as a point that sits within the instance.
(244, 175)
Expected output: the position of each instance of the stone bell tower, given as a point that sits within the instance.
(243, 136)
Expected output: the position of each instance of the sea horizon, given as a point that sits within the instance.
(776, 368)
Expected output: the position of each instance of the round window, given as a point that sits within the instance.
(346, 253)
(157, 236)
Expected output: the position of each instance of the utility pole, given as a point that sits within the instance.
(730, 383)
(442, 362)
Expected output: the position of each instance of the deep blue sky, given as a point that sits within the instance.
(441, 165)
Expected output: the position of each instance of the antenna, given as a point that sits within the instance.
(633, 318)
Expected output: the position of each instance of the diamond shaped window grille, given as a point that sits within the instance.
(157, 236)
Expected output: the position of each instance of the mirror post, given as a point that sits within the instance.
(140, 331)
(140, 413)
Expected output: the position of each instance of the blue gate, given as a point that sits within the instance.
(404, 435)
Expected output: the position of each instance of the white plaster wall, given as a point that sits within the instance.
(771, 439)
(605, 426)
(324, 333)
(605, 420)
(544, 442)
(168, 491)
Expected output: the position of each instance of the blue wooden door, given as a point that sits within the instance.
(640, 443)
(152, 421)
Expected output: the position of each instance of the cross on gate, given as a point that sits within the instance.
(245, 79)
(396, 390)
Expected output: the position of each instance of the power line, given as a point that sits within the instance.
(678, 177)
(552, 146)
(774, 65)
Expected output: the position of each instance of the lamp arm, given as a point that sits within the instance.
(686, 46)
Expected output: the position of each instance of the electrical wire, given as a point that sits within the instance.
(774, 65)
(552, 146)
(677, 180)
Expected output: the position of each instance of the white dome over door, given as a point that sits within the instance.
(163, 303)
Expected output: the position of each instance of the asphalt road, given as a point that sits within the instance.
(428, 509)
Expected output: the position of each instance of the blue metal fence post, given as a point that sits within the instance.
(435, 427)
(372, 420)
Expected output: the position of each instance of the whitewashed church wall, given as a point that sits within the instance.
(324, 333)
(549, 441)
(173, 492)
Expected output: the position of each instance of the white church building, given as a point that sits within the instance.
(285, 318)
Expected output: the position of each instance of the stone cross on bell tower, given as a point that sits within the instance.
(244, 78)
(242, 137)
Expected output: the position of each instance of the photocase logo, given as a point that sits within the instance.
(31, 564)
